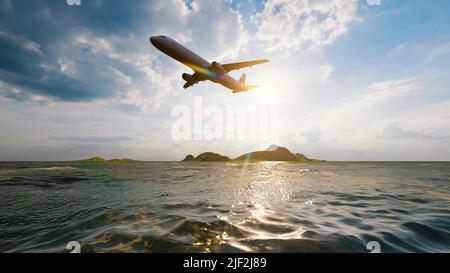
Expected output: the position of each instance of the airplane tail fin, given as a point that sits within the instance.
(246, 87)
(243, 78)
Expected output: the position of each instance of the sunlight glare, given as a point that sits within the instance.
(272, 84)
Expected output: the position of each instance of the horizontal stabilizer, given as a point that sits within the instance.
(246, 88)
(249, 87)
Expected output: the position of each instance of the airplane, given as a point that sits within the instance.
(204, 70)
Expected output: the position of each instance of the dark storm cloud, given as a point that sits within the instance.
(38, 54)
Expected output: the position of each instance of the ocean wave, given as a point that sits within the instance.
(153, 207)
(51, 169)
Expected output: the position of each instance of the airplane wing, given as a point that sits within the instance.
(236, 66)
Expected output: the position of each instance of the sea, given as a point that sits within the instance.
(168, 207)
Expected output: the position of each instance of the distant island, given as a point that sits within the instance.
(273, 153)
(102, 160)
(208, 156)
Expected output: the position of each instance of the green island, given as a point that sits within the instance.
(103, 160)
(273, 153)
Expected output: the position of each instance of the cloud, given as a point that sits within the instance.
(371, 100)
(76, 78)
(313, 135)
(54, 67)
(438, 51)
(215, 29)
(396, 86)
(355, 119)
(429, 52)
(394, 131)
(100, 50)
(91, 139)
(404, 49)
(286, 24)
(325, 72)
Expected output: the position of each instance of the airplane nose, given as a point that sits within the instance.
(153, 40)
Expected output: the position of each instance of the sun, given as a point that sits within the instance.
(272, 84)
(266, 91)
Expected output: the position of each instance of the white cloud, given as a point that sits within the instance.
(363, 106)
(357, 117)
(313, 135)
(143, 77)
(22, 41)
(438, 51)
(293, 24)
(405, 49)
(319, 114)
(388, 88)
(12, 92)
(430, 52)
(394, 131)
(325, 72)
(212, 29)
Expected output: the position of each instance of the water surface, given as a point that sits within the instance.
(225, 207)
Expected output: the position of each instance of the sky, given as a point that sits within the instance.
(351, 79)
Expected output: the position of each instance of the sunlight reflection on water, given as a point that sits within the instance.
(218, 207)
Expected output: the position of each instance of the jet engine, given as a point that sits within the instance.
(187, 77)
(218, 68)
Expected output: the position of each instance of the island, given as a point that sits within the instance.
(273, 153)
(208, 157)
(102, 160)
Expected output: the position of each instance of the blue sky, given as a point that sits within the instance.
(353, 81)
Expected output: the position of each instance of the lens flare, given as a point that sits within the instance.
(203, 71)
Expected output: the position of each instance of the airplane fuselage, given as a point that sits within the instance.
(185, 56)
